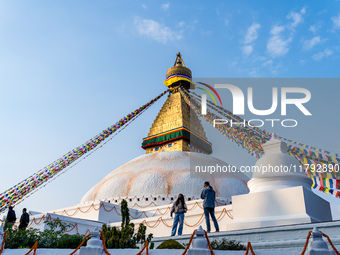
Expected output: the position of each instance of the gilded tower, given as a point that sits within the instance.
(177, 127)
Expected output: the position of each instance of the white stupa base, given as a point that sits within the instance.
(279, 207)
(90, 251)
(280, 182)
(193, 251)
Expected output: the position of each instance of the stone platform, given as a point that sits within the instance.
(282, 238)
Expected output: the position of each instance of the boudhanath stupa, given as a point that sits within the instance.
(270, 210)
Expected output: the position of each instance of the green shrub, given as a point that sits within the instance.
(125, 237)
(170, 244)
(70, 241)
(52, 237)
(227, 245)
(21, 238)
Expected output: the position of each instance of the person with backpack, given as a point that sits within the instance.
(208, 194)
(179, 208)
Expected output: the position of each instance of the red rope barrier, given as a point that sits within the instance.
(160, 219)
(74, 227)
(81, 244)
(306, 243)
(104, 245)
(330, 242)
(209, 245)
(92, 206)
(3, 242)
(198, 222)
(34, 248)
(143, 206)
(249, 247)
(146, 246)
(190, 241)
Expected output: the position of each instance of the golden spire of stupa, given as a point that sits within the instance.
(178, 75)
(177, 127)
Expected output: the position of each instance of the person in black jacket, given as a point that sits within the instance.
(24, 219)
(11, 217)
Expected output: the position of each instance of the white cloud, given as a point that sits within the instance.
(322, 54)
(144, 6)
(315, 28)
(296, 17)
(303, 10)
(308, 44)
(336, 21)
(277, 46)
(226, 22)
(252, 35)
(250, 38)
(277, 30)
(268, 63)
(280, 38)
(181, 24)
(156, 31)
(247, 49)
(312, 29)
(165, 6)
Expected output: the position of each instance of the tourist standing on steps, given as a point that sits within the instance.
(24, 219)
(11, 217)
(179, 208)
(208, 194)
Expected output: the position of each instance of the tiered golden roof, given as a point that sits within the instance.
(176, 116)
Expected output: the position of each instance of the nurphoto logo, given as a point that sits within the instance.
(238, 99)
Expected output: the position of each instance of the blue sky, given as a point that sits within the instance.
(69, 69)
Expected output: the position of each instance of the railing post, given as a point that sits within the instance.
(94, 245)
(199, 245)
(317, 246)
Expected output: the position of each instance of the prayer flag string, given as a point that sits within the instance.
(27, 187)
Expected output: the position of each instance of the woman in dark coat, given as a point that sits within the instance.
(179, 208)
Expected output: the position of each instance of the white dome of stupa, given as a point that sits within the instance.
(164, 174)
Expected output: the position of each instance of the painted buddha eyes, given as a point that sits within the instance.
(166, 146)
